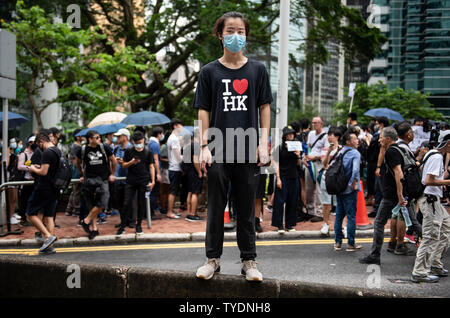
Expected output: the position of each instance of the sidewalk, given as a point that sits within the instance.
(69, 229)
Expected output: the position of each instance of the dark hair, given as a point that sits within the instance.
(220, 23)
(418, 119)
(75, 132)
(347, 134)
(55, 131)
(383, 120)
(156, 131)
(174, 121)
(91, 134)
(353, 116)
(166, 137)
(403, 128)
(296, 126)
(333, 130)
(304, 123)
(138, 135)
(43, 135)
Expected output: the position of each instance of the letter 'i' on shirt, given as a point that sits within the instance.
(435, 167)
(233, 97)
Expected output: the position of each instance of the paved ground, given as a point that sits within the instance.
(69, 229)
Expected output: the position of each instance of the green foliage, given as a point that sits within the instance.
(410, 104)
(305, 111)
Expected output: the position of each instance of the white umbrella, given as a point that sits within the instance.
(107, 119)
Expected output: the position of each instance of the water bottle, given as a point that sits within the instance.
(396, 210)
(147, 194)
(406, 216)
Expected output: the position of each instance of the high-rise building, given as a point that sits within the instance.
(418, 52)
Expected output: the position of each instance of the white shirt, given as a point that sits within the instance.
(320, 147)
(435, 167)
(173, 144)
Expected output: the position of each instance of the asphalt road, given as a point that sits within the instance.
(293, 260)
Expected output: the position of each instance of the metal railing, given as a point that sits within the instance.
(21, 183)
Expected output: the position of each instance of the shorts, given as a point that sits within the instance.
(195, 184)
(96, 196)
(261, 186)
(42, 200)
(325, 198)
(165, 176)
(175, 181)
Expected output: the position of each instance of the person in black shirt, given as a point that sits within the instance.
(287, 184)
(96, 165)
(392, 192)
(141, 178)
(44, 197)
(230, 94)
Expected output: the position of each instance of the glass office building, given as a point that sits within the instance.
(418, 55)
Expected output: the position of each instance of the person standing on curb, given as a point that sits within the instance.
(154, 146)
(428, 266)
(175, 172)
(97, 165)
(231, 91)
(44, 197)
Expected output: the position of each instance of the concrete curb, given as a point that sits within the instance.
(173, 237)
(31, 277)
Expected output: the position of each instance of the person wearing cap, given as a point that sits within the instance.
(287, 183)
(428, 266)
(123, 143)
(24, 164)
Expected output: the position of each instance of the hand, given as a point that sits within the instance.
(151, 185)
(377, 172)
(112, 178)
(263, 155)
(81, 179)
(354, 185)
(158, 178)
(305, 162)
(297, 153)
(402, 201)
(136, 161)
(279, 183)
(200, 175)
(119, 160)
(205, 158)
(310, 157)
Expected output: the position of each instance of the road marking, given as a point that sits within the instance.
(34, 251)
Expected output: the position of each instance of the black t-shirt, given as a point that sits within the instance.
(51, 157)
(287, 163)
(373, 150)
(139, 174)
(36, 160)
(96, 163)
(233, 97)
(392, 158)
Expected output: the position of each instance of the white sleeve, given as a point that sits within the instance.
(434, 166)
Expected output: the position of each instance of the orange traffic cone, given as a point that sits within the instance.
(226, 217)
(362, 220)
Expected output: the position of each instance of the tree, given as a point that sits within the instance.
(410, 104)
(182, 30)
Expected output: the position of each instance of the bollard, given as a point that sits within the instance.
(149, 211)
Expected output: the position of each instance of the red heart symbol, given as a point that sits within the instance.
(240, 86)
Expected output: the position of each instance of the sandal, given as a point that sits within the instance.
(175, 216)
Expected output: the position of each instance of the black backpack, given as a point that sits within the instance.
(63, 175)
(336, 181)
(412, 175)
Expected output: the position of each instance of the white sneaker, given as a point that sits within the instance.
(325, 229)
(13, 221)
(17, 216)
(212, 265)
(251, 272)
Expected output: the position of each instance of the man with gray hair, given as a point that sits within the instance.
(317, 142)
(392, 190)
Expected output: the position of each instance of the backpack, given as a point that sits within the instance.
(412, 175)
(336, 181)
(63, 175)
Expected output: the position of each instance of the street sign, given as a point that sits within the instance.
(7, 88)
(351, 89)
(7, 55)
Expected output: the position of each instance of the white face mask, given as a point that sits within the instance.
(139, 146)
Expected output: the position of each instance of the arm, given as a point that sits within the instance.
(380, 160)
(354, 179)
(197, 166)
(264, 122)
(398, 174)
(21, 163)
(156, 160)
(430, 180)
(205, 153)
(152, 175)
(112, 164)
(42, 171)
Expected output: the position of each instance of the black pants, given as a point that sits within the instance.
(24, 196)
(154, 195)
(288, 194)
(130, 193)
(243, 179)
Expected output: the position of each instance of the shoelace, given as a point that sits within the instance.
(251, 264)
